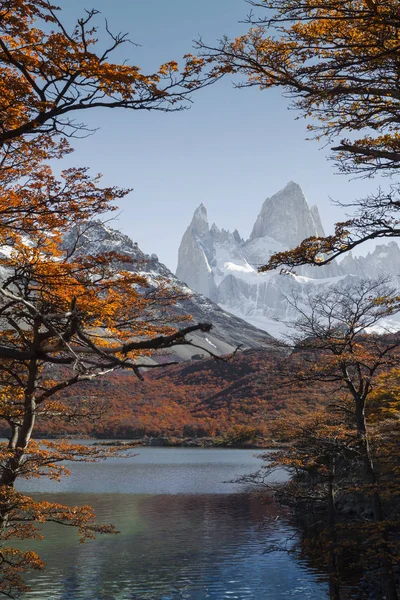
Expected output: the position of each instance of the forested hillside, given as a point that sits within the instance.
(238, 395)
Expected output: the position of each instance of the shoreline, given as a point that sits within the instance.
(165, 442)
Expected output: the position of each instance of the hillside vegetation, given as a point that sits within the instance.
(204, 398)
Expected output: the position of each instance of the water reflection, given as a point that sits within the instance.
(195, 545)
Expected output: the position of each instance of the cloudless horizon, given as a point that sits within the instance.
(230, 151)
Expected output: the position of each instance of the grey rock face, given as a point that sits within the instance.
(287, 218)
(195, 254)
(384, 260)
(319, 230)
(199, 224)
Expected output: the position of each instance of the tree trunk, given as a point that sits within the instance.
(334, 587)
(377, 508)
(21, 435)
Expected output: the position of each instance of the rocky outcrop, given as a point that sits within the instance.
(383, 260)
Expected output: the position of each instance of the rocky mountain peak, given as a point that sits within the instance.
(206, 256)
(236, 236)
(97, 238)
(317, 221)
(199, 224)
(384, 259)
(214, 229)
(292, 185)
(228, 331)
(194, 254)
(287, 218)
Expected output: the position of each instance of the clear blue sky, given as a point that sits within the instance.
(231, 150)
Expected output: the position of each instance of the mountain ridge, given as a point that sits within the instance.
(224, 267)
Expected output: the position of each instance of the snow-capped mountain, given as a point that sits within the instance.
(384, 260)
(223, 266)
(228, 331)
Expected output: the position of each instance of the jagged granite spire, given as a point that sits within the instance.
(287, 218)
(199, 224)
(195, 254)
(383, 260)
(317, 221)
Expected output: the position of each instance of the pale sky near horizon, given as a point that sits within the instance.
(231, 150)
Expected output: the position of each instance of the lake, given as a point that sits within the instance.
(184, 533)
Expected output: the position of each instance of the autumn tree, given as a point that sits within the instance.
(338, 62)
(50, 75)
(65, 317)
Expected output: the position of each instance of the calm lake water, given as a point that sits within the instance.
(185, 534)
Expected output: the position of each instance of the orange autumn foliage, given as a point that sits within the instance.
(89, 315)
(205, 398)
(337, 62)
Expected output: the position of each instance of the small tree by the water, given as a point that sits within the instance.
(343, 458)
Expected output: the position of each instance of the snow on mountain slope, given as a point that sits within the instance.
(223, 266)
(228, 331)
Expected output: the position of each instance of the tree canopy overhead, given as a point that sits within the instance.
(49, 73)
(339, 63)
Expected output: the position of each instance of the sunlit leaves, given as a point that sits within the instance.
(47, 72)
(66, 316)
